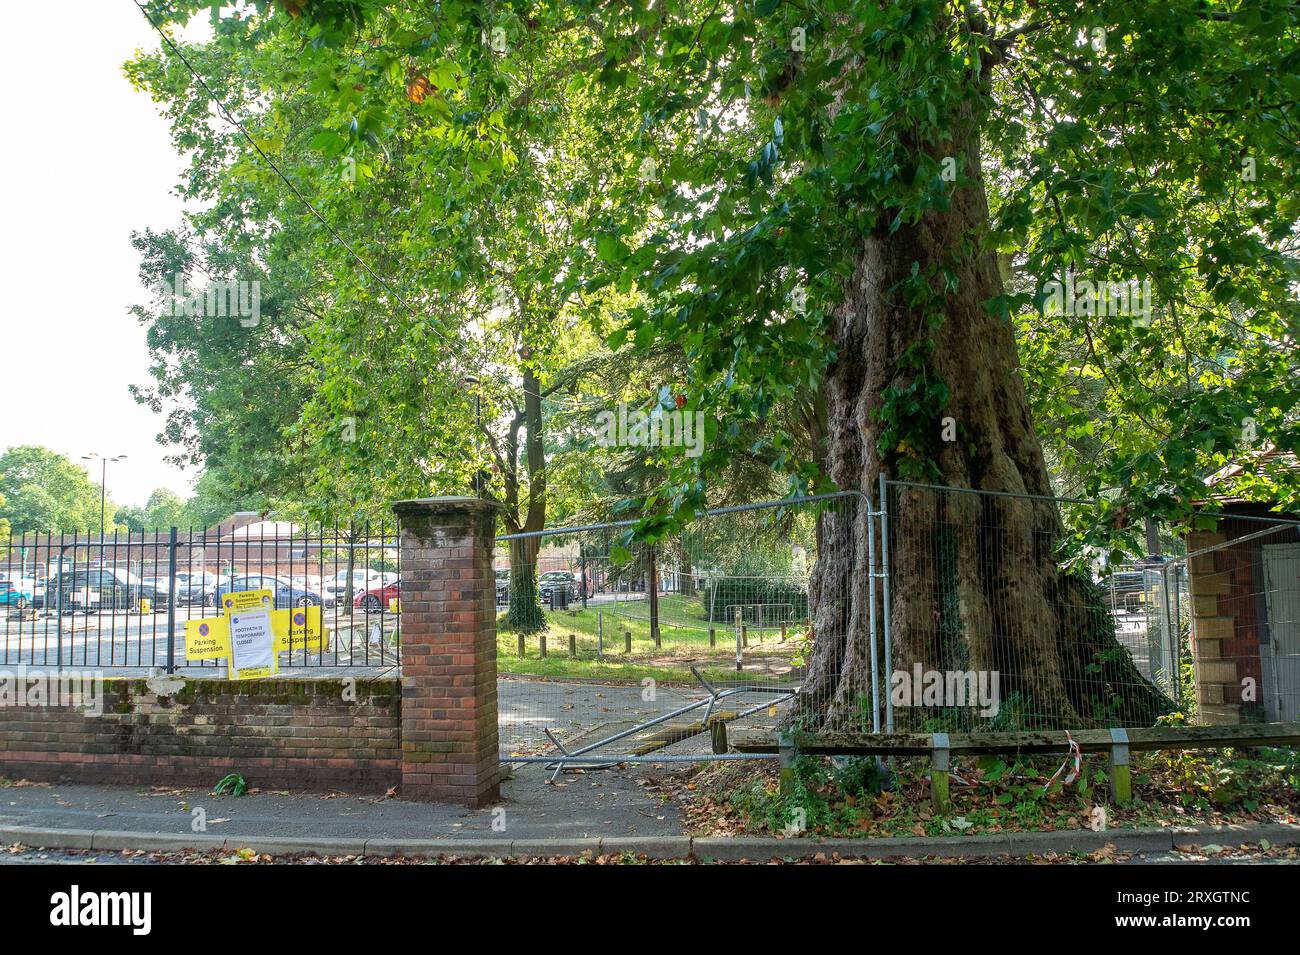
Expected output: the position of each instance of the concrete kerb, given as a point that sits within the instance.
(1085, 840)
(673, 847)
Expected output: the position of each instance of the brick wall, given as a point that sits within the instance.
(1229, 626)
(434, 736)
(277, 734)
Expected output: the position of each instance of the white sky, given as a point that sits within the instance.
(87, 160)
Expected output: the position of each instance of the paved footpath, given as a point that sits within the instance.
(599, 812)
(579, 806)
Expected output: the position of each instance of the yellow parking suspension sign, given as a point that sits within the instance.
(293, 629)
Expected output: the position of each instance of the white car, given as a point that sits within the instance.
(362, 580)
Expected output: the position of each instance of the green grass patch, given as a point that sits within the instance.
(684, 642)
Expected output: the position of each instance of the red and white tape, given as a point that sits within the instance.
(1078, 761)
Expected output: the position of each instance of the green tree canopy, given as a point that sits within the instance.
(44, 492)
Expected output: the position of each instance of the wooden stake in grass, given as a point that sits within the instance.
(718, 735)
(713, 637)
(573, 644)
(542, 638)
(627, 642)
(940, 763)
(521, 646)
(740, 636)
(1121, 779)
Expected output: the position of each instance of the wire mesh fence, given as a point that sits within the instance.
(947, 609)
(1244, 574)
(710, 626)
(121, 602)
(989, 630)
(984, 604)
(944, 609)
(1151, 608)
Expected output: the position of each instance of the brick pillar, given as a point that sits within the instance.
(449, 650)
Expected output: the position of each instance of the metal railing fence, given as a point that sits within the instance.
(120, 602)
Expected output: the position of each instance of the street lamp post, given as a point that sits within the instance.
(103, 488)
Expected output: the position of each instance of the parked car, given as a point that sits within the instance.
(285, 593)
(196, 588)
(377, 598)
(503, 587)
(362, 579)
(311, 582)
(557, 587)
(101, 588)
(16, 593)
(157, 590)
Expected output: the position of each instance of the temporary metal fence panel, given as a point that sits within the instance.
(635, 651)
(1150, 604)
(1244, 574)
(978, 594)
(120, 603)
(987, 631)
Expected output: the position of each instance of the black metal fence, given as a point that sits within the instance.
(121, 602)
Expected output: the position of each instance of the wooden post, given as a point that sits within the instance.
(654, 598)
(627, 641)
(785, 757)
(940, 759)
(783, 633)
(718, 735)
(521, 646)
(1121, 780)
(600, 635)
(739, 646)
(542, 638)
(713, 637)
(744, 634)
(573, 644)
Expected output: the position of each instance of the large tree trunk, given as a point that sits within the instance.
(975, 581)
(525, 611)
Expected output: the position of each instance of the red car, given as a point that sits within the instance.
(376, 598)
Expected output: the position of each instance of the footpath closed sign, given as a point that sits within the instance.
(252, 653)
(252, 642)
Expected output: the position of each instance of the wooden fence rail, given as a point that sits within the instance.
(940, 747)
